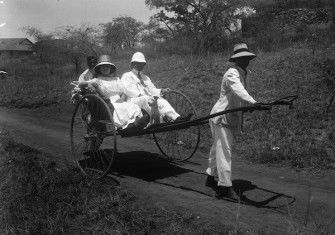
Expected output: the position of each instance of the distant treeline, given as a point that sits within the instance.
(288, 21)
(289, 4)
(193, 27)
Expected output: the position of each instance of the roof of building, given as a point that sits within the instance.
(15, 44)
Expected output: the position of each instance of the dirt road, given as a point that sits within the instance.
(274, 199)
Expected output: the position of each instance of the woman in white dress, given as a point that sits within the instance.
(111, 87)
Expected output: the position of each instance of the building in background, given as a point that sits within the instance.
(15, 47)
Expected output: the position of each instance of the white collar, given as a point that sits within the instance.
(135, 71)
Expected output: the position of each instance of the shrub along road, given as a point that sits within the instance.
(274, 198)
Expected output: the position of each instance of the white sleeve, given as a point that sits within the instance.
(234, 82)
(93, 83)
(110, 88)
(114, 98)
(82, 76)
(152, 88)
(120, 86)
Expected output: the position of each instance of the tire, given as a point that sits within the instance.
(93, 136)
(179, 145)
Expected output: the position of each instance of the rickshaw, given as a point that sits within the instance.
(94, 135)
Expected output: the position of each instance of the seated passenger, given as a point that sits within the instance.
(111, 87)
(141, 91)
(89, 73)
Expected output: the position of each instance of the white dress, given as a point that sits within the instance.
(112, 88)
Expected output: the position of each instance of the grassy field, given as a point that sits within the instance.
(39, 197)
(305, 136)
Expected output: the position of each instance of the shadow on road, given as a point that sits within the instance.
(253, 195)
(146, 166)
(151, 167)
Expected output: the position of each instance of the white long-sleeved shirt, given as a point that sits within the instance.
(232, 95)
(136, 88)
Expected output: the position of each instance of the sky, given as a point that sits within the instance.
(46, 15)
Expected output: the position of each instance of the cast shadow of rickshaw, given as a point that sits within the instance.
(138, 164)
(152, 167)
(262, 198)
(145, 165)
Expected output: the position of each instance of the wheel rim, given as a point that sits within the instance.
(92, 149)
(179, 145)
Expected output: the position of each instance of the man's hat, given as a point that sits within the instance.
(241, 50)
(105, 59)
(138, 57)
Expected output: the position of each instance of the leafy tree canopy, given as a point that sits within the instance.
(205, 21)
(122, 32)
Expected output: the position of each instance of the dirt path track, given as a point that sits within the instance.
(272, 196)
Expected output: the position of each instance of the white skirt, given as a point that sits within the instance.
(125, 113)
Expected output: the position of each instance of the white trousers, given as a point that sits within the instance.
(164, 107)
(219, 162)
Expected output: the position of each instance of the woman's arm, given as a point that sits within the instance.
(83, 84)
(92, 85)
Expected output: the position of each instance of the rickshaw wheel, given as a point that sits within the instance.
(179, 145)
(93, 136)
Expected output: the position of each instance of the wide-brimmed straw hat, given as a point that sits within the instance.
(105, 60)
(241, 50)
(138, 57)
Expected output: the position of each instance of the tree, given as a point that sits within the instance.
(84, 38)
(42, 46)
(153, 32)
(68, 44)
(203, 22)
(79, 42)
(122, 32)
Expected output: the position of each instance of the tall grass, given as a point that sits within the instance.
(38, 197)
(304, 135)
(31, 84)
